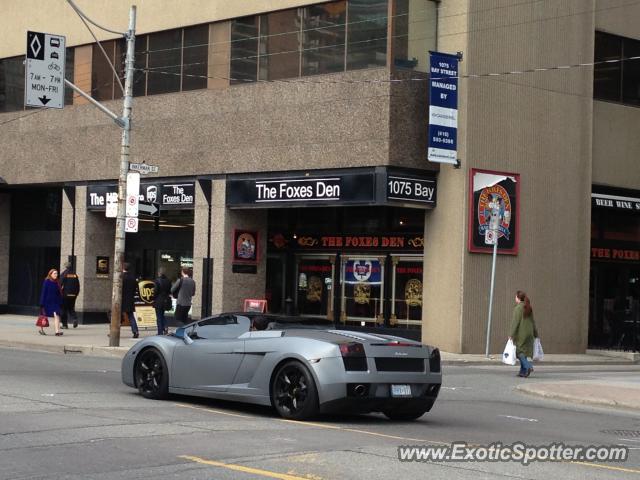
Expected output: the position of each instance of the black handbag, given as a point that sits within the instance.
(168, 304)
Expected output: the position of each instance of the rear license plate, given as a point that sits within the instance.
(400, 390)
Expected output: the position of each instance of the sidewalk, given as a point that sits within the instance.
(19, 331)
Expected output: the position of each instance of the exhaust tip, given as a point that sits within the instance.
(360, 390)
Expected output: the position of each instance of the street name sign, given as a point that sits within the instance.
(44, 70)
(143, 168)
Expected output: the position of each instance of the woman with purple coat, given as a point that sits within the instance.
(51, 300)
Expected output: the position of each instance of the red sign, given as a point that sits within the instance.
(360, 242)
(255, 305)
(619, 254)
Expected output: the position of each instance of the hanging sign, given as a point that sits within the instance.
(443, 108)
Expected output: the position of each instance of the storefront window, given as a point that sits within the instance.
(406, 308)
(314, 285)
(362, 282)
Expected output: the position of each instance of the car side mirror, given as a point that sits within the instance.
(182, 333)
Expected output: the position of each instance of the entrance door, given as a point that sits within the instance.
(314, 285)
(276, 281)
(406, 291)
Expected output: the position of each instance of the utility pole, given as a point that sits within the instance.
(116, 294)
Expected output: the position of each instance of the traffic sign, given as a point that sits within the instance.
(133, 192)
(149, 208)
(44, 70)
(143, 168)
(131, 225)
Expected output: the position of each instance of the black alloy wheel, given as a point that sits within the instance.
(151, 374)
(293, 392)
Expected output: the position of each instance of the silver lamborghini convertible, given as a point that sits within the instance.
(299, 368)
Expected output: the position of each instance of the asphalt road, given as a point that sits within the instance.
(70, 417)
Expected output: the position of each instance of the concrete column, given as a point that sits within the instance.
(230, 289)
(94, 237)
(200, 242)
(5, 237)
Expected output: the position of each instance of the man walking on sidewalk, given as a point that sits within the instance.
(183, 290)
(70, 286)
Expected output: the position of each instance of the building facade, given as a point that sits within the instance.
(286, 134)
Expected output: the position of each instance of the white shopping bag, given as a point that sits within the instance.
(538, 353)
(509, 354)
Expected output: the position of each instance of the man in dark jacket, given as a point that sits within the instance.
(162, 300)
(70, 287)
(129, 287)
(183, 290)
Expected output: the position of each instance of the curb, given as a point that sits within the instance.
(541, 364)
(566, 397)
(89, 350)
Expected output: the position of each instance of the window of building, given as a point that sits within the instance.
(618, 81)
(244, 49)
(164, 62)
(414, 33)
(68, 74)
(104, 85)
(280, 34)
(367, 34)
(194, 57)
(11, 84)
(323, 38)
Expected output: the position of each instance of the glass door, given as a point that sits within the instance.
(362, 289)
(314, 285)
(406, 288)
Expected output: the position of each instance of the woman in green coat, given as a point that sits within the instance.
(523, 332)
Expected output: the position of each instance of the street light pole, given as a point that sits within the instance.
(116, 294)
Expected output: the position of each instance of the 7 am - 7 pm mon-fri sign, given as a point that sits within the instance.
(44, 70)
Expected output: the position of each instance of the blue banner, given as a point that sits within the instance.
(443, 108)
(365, 270)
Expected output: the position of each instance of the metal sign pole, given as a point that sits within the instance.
(493, 275)
(116, 294)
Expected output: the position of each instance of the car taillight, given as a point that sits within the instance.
(353, 357)
(352, 349)
(434, 361)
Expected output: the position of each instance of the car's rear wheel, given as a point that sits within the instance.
(401, 414)
(151, 374)
(293, 391)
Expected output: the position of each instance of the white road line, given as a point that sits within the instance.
(521, 419)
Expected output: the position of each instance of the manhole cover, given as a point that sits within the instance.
(622, 433)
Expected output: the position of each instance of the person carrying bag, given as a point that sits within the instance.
(523, 331)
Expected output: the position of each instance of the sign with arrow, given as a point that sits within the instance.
(44, 70)
(149, 208)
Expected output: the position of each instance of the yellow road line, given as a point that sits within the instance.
(210, 410)
(364, 432)
(240, 468)
(607, 467)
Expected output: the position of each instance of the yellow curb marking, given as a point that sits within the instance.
(607, 467)
(240, 468)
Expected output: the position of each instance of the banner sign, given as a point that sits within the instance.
(443, 108)
(363, 270)
(409, 243)
(168, 196)
(493, 211)
(615, 202)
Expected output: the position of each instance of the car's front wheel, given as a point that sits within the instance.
(401, 414)
(151, 374)
(293, 391)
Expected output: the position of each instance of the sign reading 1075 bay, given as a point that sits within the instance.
(44, 70)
